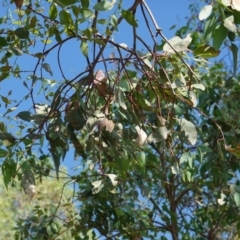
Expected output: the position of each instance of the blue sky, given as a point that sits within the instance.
(166, 13)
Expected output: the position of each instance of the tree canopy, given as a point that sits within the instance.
(152, 123)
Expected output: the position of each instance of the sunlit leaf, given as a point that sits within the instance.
(234, 151)
(175, 169)
(179, 44)
(222, 201)
(237, 198)
(104, 5)
(190, 130)
(229, 24)
(226, 2)
(205, 12)
(113, 178)
(142, 136)
(236, 5)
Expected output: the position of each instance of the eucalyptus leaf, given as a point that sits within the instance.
(189, 130)
(205, 12)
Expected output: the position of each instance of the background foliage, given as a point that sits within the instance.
(154, 125)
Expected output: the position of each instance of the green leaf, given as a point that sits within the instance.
(234, 50)
(3, 42)
(33, 21)
(120, 99)
(28, 181)
(219, 36)
(85, 3)
(9, 167)
(53, 12)
(206, 51)
(185, 156)
(65, 18)
(25, 115)
(22, 33)
(209, 28)
(142, 159)
(234, 151)
(189, 130)
(104, 5)
(114, 22)
(56, 99)
(87, 13)
(129, 17)
(205, 12)
(5, 68)
(5, 100)
(58, 148)
(67, 2)
(47, 68)
(3, 153)
(84, 47)
(8, 139)
(229, 24)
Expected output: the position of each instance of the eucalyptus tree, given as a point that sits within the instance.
(152, 122)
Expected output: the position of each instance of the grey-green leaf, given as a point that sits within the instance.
(190, 130)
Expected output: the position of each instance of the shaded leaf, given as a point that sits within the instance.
(67, 2)
(219, 36)
(3, 42)
(25, 115)
(22, 33)
(206, 51)
(47, 68)
(84, 47)
(234, 50)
